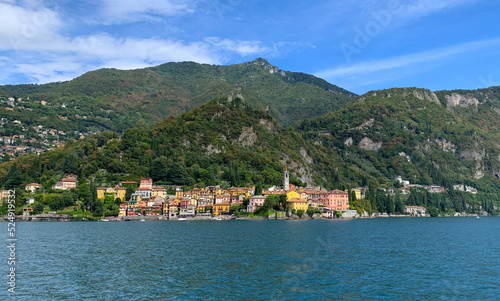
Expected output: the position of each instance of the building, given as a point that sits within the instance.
(254, 202)
(293, 195)
(123, 210)
(415, 210)
(357, 193)
(179, 192)
(436, 189)
(146, 183)
(159, 191)
(145, 193)
(296, 204)
(116, 192)
(65, 184)
(286, 179)
(32, 187)
(337, 200)
(220, 208)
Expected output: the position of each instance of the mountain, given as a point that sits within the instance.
(481, 107)
(410, 133)
(110, 99)
(381, 136)
(215, 142)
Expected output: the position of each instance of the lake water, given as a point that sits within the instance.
(387, 259)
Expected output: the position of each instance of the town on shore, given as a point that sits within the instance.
(130, 200)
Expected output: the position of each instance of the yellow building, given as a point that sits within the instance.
(101, 192)
(117, 192)
(357, 192)
(218, 209)
(120, 193)
(292, 195)
(159, 191)
(296, 204)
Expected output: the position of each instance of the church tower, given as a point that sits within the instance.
(286, 179)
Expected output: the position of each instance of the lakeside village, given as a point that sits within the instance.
(144, 200)
(18, 137)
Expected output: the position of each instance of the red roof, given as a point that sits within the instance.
(68, 180)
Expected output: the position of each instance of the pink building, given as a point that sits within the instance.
(337, 200)
(255, 201)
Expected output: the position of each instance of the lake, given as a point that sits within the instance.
(386, 259)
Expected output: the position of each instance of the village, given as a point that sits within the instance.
(144, 199)
(18, 137)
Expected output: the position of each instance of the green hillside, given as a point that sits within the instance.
(481, 107)
(409, 133)
(110, 99)
(217, 142)
(372, 141)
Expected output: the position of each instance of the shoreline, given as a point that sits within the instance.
(70, 218)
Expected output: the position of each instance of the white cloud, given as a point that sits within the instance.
(422, 8)
(244, 48)
(125, 11)
(405, 60)
(44, 54)
(21, 26)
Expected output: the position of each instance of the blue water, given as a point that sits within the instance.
(376, 259)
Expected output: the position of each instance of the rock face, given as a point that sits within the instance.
(306, 157)
(210, 149)
(471, 155)
(446, 145)
(430, 96)
(268, 124)
(247, 136)
(349, 142)
(461, 100)
(369, 144)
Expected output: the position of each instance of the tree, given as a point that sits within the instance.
(38, 208)
(177, 174)
(14, 177)
(129, 191)
(272, 201)
(311, 211)
(57, 203)
(389, 205)
(258, 188)
(159, 170)
(71, 163)
(67, 198)
(398, 204)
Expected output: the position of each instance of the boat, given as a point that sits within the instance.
(143, 220)
(181, 219)
(104, 220)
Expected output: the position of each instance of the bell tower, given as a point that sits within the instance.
(286, 179)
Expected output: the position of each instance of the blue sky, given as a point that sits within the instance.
(358, 45)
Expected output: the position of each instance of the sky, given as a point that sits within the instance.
(358, 45)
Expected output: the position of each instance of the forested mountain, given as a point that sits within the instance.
(110, 99)
(216, 142)
(411, 133)
(244, 135)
